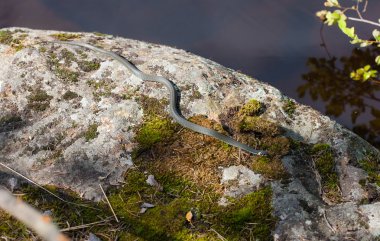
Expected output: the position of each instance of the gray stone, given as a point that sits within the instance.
(239, 180)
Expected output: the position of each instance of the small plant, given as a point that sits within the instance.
(39, 100)
(92, 132)
(69, 95)
(289, 107)
(65, 36)
(252, 108)
(340, 17)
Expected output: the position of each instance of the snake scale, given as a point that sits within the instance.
(174, 110)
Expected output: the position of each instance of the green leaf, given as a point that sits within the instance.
(366, 76)
(376, 34)
(356, 40)
(350, 32)
(367, 67)
(377, 60)
(335, 17)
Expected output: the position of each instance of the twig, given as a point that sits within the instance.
(358, 11)
(46, 190)
(328, 223)
(32, 218)
(109, 204)
(364, 21)
(218, 234)
(365, 6)
(84, 225)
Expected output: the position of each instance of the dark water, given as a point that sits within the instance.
(276, 41)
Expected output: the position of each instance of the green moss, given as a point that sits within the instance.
(252, 108)
(270, 168)
(63, 72)
(259, 125)
(9, 119)
(370, 163)
(153, 106)
(69, 95)
(154, 130)
(12, 229)
(18, 47)
(65, 36)
(68, 56)
(363, 182)
(251, 216)
(276, 146)
(92, 132)
(323, 157)
(42, 49)
(88, 66)
(289, 107)
(167, 220)
(39, 100)
(102, 88)
(245, 219)
(6, 37)
(67, 75)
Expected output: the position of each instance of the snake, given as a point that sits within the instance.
(174, 101)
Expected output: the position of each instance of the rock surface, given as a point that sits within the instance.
(67, 118)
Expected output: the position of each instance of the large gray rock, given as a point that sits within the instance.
(69, 123)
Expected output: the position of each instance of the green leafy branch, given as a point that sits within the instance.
(339, 16)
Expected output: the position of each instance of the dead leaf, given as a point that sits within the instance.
(189, 216)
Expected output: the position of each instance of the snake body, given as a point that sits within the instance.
(174, 110)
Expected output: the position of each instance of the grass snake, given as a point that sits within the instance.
(174, 109)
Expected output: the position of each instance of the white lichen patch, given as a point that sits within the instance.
(240, 180)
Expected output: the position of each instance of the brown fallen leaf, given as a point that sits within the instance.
(189, 216)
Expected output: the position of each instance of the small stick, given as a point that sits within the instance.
(328, 223)
(109, 204)
(46, 190)
(84, 225)
(218, 234)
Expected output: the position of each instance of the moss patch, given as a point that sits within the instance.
(289, 107)
(65, 36)
(7, 37)
(92, 132)
(101, 88)
(62, 71)
(88, 66)
(370, 163)
(197, 157)
(323, 158)
(65, 71)
(259, 126)
(270, 167)
(154, 130)
(39, 100)
(69, 95)
(9, 119)
(167, 220)
(252, 108)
